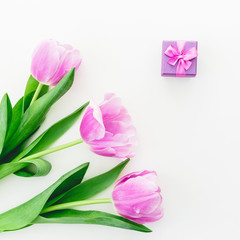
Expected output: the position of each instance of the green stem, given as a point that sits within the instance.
(35, 96)
(51, 150)
(76, 204)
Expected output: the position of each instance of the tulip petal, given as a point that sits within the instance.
(137, 197)
(130, 189)
(111, 106)
(151, 175)
(45, 61)
(139, 206)
(117, 135)
(126, 151)
(107, 152)
(117, 127)
(110, 140)
(70, 59)
(92, 127)
(51, 61)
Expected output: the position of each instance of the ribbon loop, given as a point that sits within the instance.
(171, 51)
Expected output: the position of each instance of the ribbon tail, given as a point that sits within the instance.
(180, 71)
(186, 64)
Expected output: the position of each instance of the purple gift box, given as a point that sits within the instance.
(179, 58)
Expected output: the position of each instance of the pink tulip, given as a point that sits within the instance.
(52, 60)
(108, 129)
(137, 197)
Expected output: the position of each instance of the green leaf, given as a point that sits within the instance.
(23, 215)
(5, 119)
(39, 167)
(30, 89)
(47, 138)
(36, 113)
(9, 157)
(93, 186)
(57, 130)
(89, 217)
(17, 113)
(18, 109)
(31, 86)
(73, 180)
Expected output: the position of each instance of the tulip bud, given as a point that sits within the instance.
(108, 129)
(137, 197)
(52, 60)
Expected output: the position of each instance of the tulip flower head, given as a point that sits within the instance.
(108, 129)
(52, 60)
(137, 197)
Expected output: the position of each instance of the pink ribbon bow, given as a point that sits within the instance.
(183, 58)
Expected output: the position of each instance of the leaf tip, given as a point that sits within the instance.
(87, 164)
(126, 161)
(147, 230)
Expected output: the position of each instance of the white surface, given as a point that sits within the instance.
(188, 128)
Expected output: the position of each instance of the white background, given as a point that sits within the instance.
(188, 128)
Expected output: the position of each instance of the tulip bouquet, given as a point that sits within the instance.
(108, 130)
